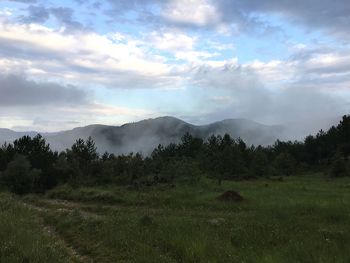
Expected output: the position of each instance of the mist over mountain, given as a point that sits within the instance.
(145, 135)
(7, 135)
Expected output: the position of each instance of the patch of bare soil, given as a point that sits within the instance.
(231, 196)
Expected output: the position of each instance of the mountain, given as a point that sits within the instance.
(144, 136)
(7, 135)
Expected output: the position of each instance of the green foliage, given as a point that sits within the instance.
(285, 164)
(83, 162)
(339, 167)
(259, 164)
(182, 170)
(20, 177)
(190, 146)
(84, 151)
(40, 160)
(225, 158)
(63, 169)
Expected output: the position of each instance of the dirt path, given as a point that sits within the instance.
(52, 233)
(87, 210)
(62, 206)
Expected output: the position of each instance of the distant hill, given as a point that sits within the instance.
(7, 135)
(145, 135)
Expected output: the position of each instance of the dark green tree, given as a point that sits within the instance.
(84, 161)
(338, 166)
(285, 164)
(40, 156)
(260, 163)
(20, 177)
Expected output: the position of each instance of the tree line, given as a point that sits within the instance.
(28, 165)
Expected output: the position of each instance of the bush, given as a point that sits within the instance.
(19, 176)
(285, 164)
(260, 164)
(338, 167)
(182, 171)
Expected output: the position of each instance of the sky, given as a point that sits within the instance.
(73, 63)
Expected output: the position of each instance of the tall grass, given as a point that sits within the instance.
(23, 239)
(303, 219)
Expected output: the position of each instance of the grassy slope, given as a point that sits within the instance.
(303, 219)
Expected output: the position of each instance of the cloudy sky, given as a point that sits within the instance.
(72, 63)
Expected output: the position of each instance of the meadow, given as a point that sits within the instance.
(295, 219)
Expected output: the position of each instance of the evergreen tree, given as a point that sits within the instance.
(338, 166)
(19, 176)
(285, 164)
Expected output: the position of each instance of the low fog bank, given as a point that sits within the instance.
(298, 130)
(145, 135)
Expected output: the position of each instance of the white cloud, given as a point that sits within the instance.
(5, 12)
(194, 56)
(223, 99)
(191, 12)
(172, 41)
(90, 57)
(184, 47)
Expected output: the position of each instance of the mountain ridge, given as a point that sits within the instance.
(143, 136)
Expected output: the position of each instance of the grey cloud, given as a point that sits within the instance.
(332, 16)
(142, 9)
(18, 91)
(126, 5)
(21, 50)
(145, 15)
(36, 14)
(322, 67)
(39, 124)
(63, 15)
(287, 105)
(307, 97)
(307, 53)
(245, 15)
(96, 5)
(301, 102)
(80, 2)
(44, 122)
(230, 75)
(240, 15)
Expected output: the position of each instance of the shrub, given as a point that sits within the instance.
(338, 166)
(285, 164)
(19, 176)
(182, 170)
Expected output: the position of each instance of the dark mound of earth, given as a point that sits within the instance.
(231, 196)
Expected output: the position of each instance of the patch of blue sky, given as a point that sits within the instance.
(13, 9)
(11, 5)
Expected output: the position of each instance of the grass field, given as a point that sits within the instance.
(299, 219)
